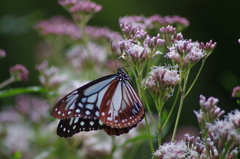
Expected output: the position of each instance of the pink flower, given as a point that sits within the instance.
(135, 21)
(234, 118)
(2, 53)
(172, 150)
(158, 21)
(185, 53)
(59, 26)
(50, 77)
(162, 81)
(85, 6)
(236, 92)
(19, 72)
(102, 32)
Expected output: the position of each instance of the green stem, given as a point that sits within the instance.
(182, 90)
(149, 111)
(205, 142)
(199, 71)
(140, 91)
(146, 103)
(113, 147)
(170, 113)
(149, 135)
(7, 82)
(159, 106)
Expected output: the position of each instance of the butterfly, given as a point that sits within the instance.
(108, 103)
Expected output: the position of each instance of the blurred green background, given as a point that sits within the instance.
(216, 20)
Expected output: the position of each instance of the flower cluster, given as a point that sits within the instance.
(170, 35)
(209, 111)
(101, 33)
(162, 81)
(49, 77)
(33, 108)
(81, 10)
(80, 6)
(58, 26)
(79, 55)
(138, 46)
(172, 150)
(223, 134)
(19, 72)
(236, 92)
(17, 125)
(190, 148)
(2, 53)
(185, 53)
(234, 118)
(221, 141)
(208, 47)
(155, 21)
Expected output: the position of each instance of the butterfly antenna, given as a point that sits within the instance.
(113, 55)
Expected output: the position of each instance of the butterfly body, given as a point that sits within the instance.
(108, 103)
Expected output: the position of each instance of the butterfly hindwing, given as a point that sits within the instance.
(83, 102)
(121, 106)
(69, 127)
(117, 131)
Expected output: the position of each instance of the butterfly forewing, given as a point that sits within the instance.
(121, 106)
(83, 102)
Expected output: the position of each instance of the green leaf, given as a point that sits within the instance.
(17, 155)
(16, 91)
(138, 138)
(238, 102)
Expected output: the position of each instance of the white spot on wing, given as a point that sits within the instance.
(76, 120)
(100, 122)
(92, 98)
(89, 106)
(83, 100)
(97, 113)
(82, 123)
(80, 105)
(71, 121)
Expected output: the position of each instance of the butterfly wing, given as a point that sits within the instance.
(69, 127)
(117, 131)
(121, 106)
(83, 102)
